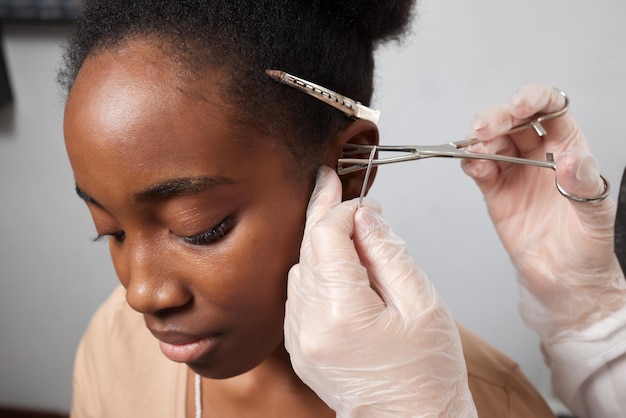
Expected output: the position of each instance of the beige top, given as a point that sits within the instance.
(120, 372)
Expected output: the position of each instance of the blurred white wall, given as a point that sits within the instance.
(461, 57)
(51, 276)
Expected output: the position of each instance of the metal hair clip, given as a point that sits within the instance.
(350, 107)
(417, 152)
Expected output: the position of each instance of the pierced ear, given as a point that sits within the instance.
(362, 132)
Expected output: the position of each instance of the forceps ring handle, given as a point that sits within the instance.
(598, 198)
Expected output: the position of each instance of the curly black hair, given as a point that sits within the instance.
(329, 42)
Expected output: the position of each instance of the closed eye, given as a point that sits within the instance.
(117, 236)
(212, 235)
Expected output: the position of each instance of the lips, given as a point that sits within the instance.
(183, 348)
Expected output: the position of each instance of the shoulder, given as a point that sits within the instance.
(498, 386)
(119, 365)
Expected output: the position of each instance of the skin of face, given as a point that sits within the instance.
(204, 217)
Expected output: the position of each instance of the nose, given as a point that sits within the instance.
(149, 275)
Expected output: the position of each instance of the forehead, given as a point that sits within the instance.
(131, 108)
(138, 78)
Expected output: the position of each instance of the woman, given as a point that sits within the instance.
(198, 167)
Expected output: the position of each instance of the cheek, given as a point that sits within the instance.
(261, 256)
(121, 268)
(271, 249)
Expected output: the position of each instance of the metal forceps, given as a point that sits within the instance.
(450, 150)
(403, 153)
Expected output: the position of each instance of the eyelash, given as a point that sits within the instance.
(205, 238)
(211, 235)
(117, 236)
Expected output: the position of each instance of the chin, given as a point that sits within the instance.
(225, 369)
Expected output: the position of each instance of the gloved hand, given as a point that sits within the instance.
(364, 326)
(563, 250)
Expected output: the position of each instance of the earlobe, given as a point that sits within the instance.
(360, 132)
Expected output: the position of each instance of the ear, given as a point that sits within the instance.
(361, 132)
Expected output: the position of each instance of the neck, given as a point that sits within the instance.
(271, 386)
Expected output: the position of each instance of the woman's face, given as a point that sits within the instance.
(204, 218)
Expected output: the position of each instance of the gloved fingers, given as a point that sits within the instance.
(372, 204)
(330, 273)
(497, 121)
(526, 102)
(531, 99)
(398, 279)
(322, 251)
(331, 236)
(326, 195)
(578, 174)
(334, 261)
(486, 173)
(493, 121)
(291, 325)
(562, 132)
(357, 353)
(328, 293)
(490, 125)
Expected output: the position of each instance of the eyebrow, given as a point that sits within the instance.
(183, 186)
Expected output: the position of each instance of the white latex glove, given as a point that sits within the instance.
(390, 352)
(563, 250)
